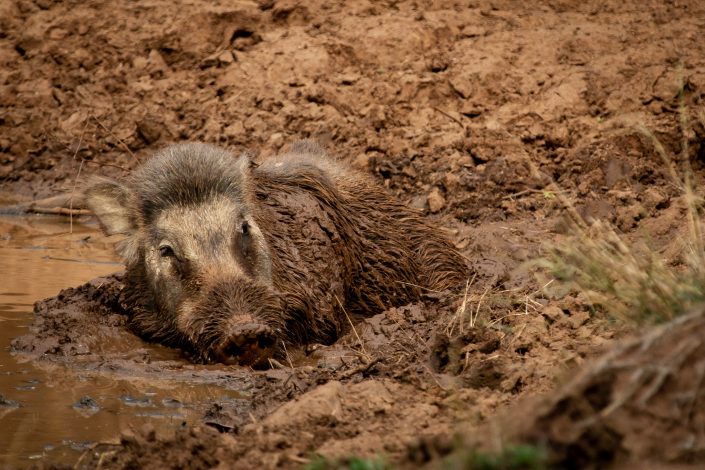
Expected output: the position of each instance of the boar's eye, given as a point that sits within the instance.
(245, 228)
(165, 251)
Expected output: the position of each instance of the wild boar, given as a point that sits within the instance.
(229, 260)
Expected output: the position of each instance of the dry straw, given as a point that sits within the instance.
(628, 282)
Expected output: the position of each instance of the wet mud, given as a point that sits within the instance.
(467, 111)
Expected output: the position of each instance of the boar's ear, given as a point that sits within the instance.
(108, 200)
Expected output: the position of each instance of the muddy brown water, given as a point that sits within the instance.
(51, 411)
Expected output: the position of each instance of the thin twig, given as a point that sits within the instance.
(58, 211)
(364, 367)
(461, 309)
(362, 346)
(288, 358)
(91, 162)
(73, 190)
(477, 310)
(529, 191)
(75, 181)
(450, 116)
(134, 157)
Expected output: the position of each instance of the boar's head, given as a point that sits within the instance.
(199, 272)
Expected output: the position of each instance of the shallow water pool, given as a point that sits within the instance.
(47, 410)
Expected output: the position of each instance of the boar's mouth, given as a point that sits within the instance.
(249, 344)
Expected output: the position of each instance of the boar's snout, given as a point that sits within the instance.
(247, 344)
(235, 321)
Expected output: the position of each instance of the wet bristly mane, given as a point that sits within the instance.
(188, 175)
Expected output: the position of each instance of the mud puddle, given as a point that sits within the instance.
(49, 410)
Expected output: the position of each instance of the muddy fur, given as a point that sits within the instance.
(334, 245)
(385, 253)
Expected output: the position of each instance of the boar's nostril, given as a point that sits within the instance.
(248, 344)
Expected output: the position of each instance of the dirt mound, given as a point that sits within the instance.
(638, 403)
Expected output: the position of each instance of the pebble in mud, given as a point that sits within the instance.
(220, 418)
(172, 403)
(436, 201)
(7, 403)
(86, 406)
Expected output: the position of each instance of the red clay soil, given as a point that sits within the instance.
(469, 111)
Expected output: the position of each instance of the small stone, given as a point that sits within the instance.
(172, 403)
(653, 198)
(348, 78)
(578, 319)
(210, 61)
(149, 129)
(7, 403)
(376, 116)
(86, 403)
(553, 314)
(462, 86)
(86, 406)
(628, 217)
(466, 161)
(436, 201)
(157, 62)
(470, 109)
(462, 244)
(73, 122)
(58, 33)
(438, 63)
(451, 181)
(140, 63)
(226, 58)
(666, 87)
(323, 402)
(276, 140)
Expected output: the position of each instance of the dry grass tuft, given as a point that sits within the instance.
(633, 283)
(629, 284)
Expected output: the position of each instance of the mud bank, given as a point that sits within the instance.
(399, 377)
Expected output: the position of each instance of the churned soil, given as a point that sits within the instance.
(486, 115)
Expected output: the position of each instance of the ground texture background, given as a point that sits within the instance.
(469, 111)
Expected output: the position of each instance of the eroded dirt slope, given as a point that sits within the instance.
(466, 110)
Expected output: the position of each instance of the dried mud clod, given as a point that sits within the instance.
(72, 323)
(641, 402)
